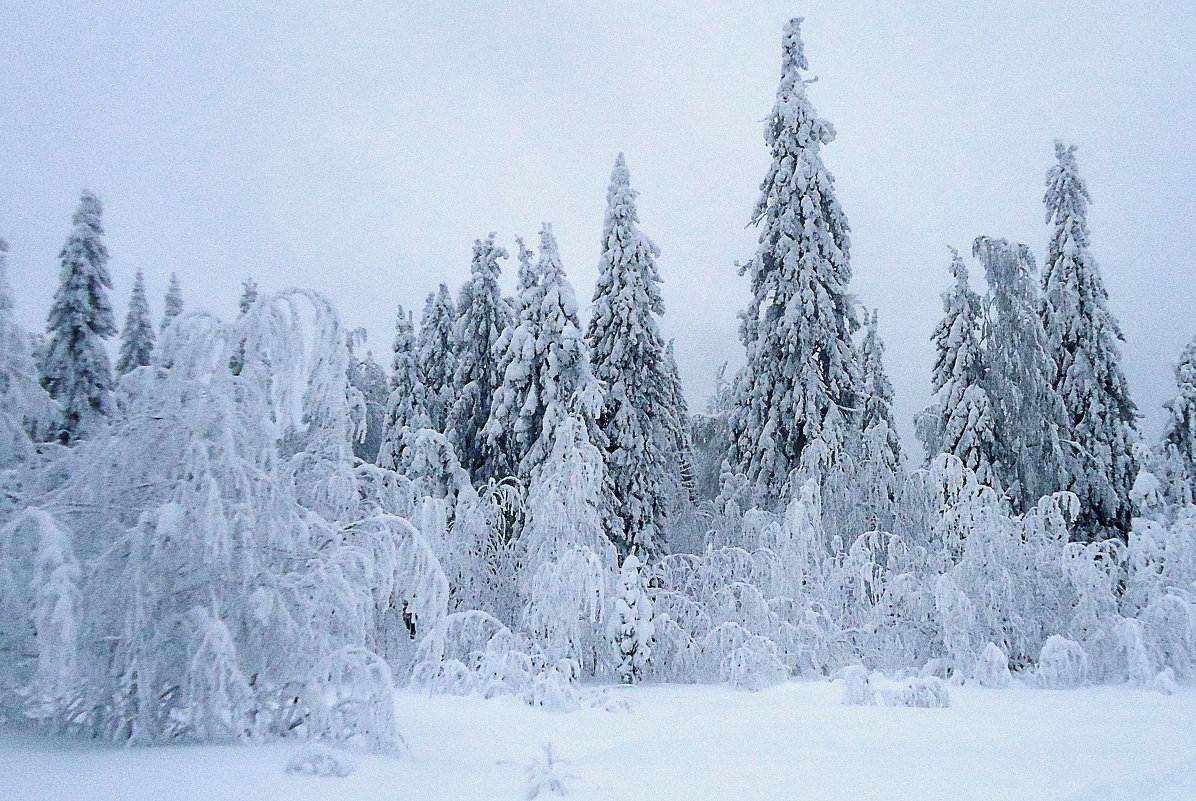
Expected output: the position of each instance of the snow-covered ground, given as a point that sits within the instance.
(794, 741)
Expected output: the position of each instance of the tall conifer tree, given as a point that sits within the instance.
(173, 303)
(75, 366)
(437, 362)
(627, 351)
(483, 314)
(801, 382)
(1084, 338)
(137, 338)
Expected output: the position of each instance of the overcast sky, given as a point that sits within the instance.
(360, 150)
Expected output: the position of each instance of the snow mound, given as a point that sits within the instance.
(1062, 663)
(546, 776)
(862, 689)
(317, 759)
(992, 668)
(754, 666)
(1165, 682)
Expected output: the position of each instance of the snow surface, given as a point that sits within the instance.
(793, 741)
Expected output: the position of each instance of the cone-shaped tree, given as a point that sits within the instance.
(437, 362)
(405, 408)
(75, 368)
(173, 303)
(1083, 337)
(628, 355)
(1179, 437)
(802, 374)
(960, 421)
(1019, 376)
(137, 338)
(546, 371)
(483, 314)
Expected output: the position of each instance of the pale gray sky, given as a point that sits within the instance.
(360, 150)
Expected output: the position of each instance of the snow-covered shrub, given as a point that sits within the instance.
(546, 775)
(926, 692)
(1062, 663)
(992, 668)
(317, 759)
(753, 666)
(1164, 683)
(353, 698)
(856, 691)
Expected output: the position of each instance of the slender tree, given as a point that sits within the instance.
(75, 368)
(1083, 337)
(405, 408)
(960, 421)
(173, 303)
(248, 298)
(1019, 377)
(546, 371)
(801, 382)
(1179, 437)
(137, 338)
(483, 314)
(639, 419)
(437, 362)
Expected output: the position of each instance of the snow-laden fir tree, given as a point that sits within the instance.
(801, 381)
(405, 406)
(248, 298)
(545, 368)
(678, 442)
(1019, 377)
(1179, 436)
(960, 420)
(137, 338)
(26, 410)
(628, 355)
(879, 469)
(75, 367)
(633, 622)
(437, 362)
(173, 302)
(1083, 337)
(483, 314)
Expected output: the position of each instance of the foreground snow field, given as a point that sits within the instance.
(794, 741)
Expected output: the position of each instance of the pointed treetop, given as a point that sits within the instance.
(173, 302)
(528, 277)
(1066, 195)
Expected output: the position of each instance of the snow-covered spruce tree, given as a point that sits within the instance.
(367, 377)
(628, 355)
(878, 473)
(1019, 377)
(173, 302)
(26, 411)
(405, 405)
(545, 368)
(437, 362)
(75, 368)
(1179, 437)
(483, 314)
(801, 382)
(633, 622)
(678, 443)
(248, 298)
(137, 338)
(1083, 337)
(960, 420)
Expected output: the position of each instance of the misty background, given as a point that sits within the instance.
(360, 150)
